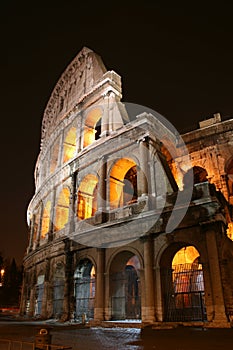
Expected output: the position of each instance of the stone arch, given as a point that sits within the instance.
(92, 126)
(84, 289)
(62, 209)
(124, 286)
(131, 251)
(87, 197)
(123, 183)
(69, 144)
(199, 175)
(182, 283)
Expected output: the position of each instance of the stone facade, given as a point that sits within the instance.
(127, 221)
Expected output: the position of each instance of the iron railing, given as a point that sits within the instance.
(8, 344)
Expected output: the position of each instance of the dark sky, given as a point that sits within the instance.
(176, 59)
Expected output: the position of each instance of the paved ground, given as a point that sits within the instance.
(121, 338)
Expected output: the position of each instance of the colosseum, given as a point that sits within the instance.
(129, 221)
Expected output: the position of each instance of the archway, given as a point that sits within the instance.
(45, 220)
(69, 145)
(39, 295)
(92, 127)
(84, 289)
(123, 183)
(87, 197)
(183, 286)
(58, 290)
(125, 291)
(62, 209)
(199, 175)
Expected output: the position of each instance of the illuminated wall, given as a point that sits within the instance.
(45, 220)
(69, 145)
(87, 197)
(122, 187)
(62, 209)
(92, 126)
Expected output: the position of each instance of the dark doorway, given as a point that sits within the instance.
(84, 290)
(126, 299)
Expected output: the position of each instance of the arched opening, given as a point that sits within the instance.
(84, 289)
(183, 286)
(199, 175)
(45, 220)
(62, 209)
(125, 293)
(39, 295)
(87, 197)
(92, 127)
(69, 145)
(123, 183)
(54, 157)
(58, 290)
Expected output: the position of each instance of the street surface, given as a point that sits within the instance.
(119, 338)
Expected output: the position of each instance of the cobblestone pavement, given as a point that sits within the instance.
(121, 338)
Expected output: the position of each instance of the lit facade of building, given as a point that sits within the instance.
(107, 188)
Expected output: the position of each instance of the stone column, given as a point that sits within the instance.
(72, 206)
(52, 216)
(158, 296)
(37, 242)
(148, 311)
(101, 200)
(143, 177)
(219, 314)
(105, 117)
(31, 233)
(32, 284)
(24, 295)
(68, 281)
(100, 285)
(45, 299)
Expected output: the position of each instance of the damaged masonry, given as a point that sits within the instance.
(129, 220)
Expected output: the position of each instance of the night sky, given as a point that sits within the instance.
(177, 60)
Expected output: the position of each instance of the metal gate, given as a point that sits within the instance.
(58, 297)
(39, 298)
(184, 293)
(85, 297)
(126, 300)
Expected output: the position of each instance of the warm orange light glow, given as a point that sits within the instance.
(186, 255)
(230, 230)
(90, 126)
(87, 197)
(89, 136)
(2, 272)
(45, 220)
(69, 146)
(177, 176)
(134, 261)
(62, 209)
(118, 172)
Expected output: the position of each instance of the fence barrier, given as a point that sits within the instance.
(8, 344)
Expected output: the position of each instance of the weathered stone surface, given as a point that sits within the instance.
(106, 189)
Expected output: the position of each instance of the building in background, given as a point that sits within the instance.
(115, 231)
